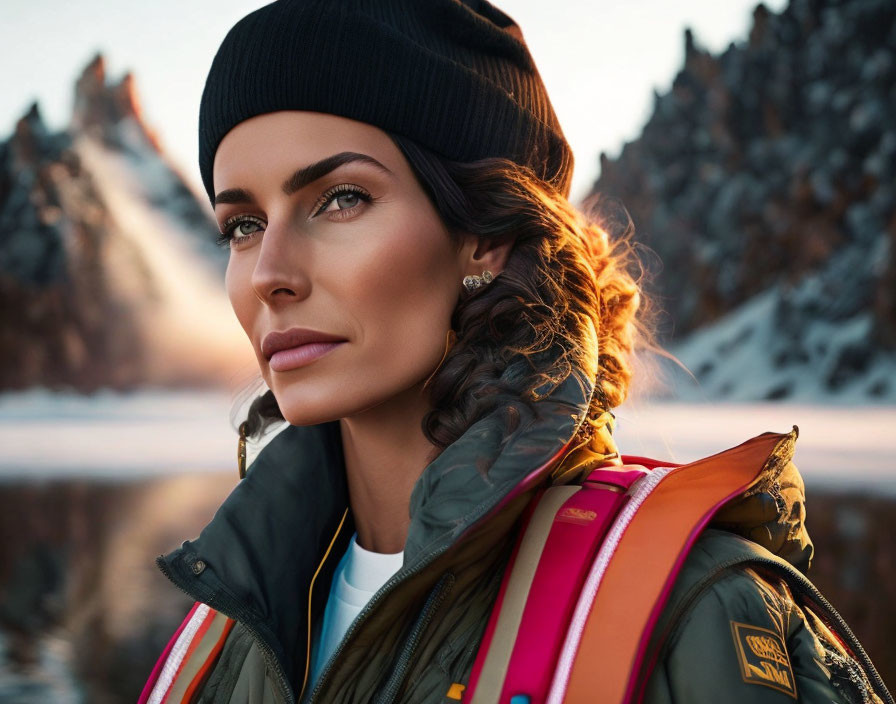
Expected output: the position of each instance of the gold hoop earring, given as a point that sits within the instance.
(473, 281)
(241, 451)
(450, 339)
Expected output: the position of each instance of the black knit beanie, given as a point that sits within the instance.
(456, 76)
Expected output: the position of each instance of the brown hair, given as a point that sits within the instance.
(572, 278)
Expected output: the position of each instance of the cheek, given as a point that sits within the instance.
(239, 290)
(405, 292)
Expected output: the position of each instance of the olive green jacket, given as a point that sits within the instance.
(267, 558)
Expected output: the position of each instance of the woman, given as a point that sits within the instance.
(446, 337)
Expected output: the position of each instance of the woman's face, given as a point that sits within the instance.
(356, 252)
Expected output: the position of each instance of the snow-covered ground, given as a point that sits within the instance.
(115, 435)
(778, 346)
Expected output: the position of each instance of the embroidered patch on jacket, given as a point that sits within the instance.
(763, 657)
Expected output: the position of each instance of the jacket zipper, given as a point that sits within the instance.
(804, 585)
(433, 602)
(364, 613)
(310, 591)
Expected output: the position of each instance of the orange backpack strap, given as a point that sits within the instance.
(557, 633)
(604, 649)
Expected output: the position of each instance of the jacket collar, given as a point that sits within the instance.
(772, 512)
(258, 558)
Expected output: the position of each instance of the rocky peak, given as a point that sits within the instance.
(31, 140)
(772, 166)
(99, 108)
(108, 262)
(759, 31)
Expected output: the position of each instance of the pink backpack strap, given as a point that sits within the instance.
(160, 663)
(189, 657)
(560, 536)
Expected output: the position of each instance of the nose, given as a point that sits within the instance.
(280, 274)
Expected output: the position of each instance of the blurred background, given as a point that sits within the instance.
(754, 147)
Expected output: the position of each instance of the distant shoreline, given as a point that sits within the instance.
(126, 437)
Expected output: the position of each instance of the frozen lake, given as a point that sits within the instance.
(130, 435)
(115, 436)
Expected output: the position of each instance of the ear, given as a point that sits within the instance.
(479, 254)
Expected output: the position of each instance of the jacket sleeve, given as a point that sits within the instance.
(744, 639)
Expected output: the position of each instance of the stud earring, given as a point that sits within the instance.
(473, 282)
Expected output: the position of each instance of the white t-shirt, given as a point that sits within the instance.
(359, 575)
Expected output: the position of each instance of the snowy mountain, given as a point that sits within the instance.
(109, 273)
(765, 181)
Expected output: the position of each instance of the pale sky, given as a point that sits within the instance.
(599, 59)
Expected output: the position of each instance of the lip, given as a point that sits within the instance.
(295, 357)
(276, 341)
(297, 347)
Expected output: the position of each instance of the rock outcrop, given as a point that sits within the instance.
(109, 273)
(766, 177)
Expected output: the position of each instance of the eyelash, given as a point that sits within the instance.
(225, 237)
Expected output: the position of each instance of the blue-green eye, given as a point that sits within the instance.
(227, 236)
(343, 191)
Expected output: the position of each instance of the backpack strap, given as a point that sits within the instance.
(188, 658)
(603, 652)
(557, 633)
(562, 530)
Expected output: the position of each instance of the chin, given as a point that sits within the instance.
(308, 403)
(312, 398)
(298, 409)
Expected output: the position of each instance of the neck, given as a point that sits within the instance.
(385, 453)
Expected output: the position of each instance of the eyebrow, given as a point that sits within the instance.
(303, 176)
